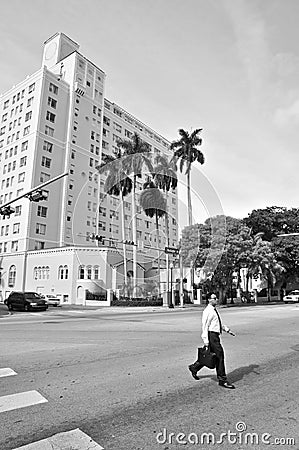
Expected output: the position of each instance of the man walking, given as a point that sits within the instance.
(211, 330)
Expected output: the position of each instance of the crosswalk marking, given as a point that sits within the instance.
(7, 372)
(20, 400)
(74, 439)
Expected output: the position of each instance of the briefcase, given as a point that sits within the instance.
(206, 357)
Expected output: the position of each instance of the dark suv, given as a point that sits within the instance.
(26, 301)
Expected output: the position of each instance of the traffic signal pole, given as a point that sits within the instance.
(37, 188)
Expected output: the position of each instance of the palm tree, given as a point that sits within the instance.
(165, 177)
(154, 204)
(136, 155)
(186, 151)
(117, 183)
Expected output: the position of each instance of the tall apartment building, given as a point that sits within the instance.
(55, 121)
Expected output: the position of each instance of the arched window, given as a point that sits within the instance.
(81, 273)
(12, 276)
(43, 272)
(96, 272)
(60, 273)
(66, 272)
(35, 273)
(89, 272)
(39, 273)
(47, 272)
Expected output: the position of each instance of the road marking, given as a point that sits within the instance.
(20, 400)
(74, 439)
(7, 372)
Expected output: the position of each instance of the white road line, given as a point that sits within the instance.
(7, 372)
(74, 439)
(20, 400)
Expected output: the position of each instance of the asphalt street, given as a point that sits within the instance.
(122, 378)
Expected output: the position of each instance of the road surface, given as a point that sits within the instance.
(121, 379)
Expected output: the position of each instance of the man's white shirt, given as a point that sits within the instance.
(210, 322)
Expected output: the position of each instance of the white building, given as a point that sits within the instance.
(57, 121)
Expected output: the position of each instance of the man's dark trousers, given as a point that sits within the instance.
(215, 347)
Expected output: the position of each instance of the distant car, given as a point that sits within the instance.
(26, 301)
(51, 299)
(292, 297)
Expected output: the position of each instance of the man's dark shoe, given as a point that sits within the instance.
(226, 385)
(193, 372)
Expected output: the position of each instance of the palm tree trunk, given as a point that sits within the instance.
(190, 223)
(167, 254)
(158, 261)
(189, 197)
(134, 229)
(123, 230)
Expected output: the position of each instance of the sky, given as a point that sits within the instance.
(229, 67)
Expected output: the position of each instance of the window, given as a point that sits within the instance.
(48, 146)
(50, 116)
(53, 88)
(52, 102)
(63, 272)
(4, 117)
(39, 245)
(28, 116)
(14, 246)
(29, 102)
(49, 131)
(23, 161)
(24, 146)
(16, 228)
(89, 272)
(6, 104)
(81, 272)
(12, 276)
(18, 210)
(26, 130)
(40, 228)
(21, 177)
(2, 131)
(44, 177)
(31, 88)
(42, 211)
(96, 272)
(46, 162)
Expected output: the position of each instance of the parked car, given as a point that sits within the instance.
(51, 299)
(26, 301)
(292, 297)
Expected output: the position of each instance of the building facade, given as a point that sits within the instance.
(56, 121)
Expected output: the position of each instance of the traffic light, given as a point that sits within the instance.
(6, 211)
(129, 242)
(96, 237)
(37, 196)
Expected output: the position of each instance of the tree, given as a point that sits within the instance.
(272, 221)
(136, 155)
(119, 184)
(154, 204)
(186, 151)
(165, 178)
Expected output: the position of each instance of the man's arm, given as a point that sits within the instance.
(206, 320)
(227, 330)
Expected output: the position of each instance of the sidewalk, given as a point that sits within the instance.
(133, 309)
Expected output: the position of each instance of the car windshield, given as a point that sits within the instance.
(32, 296)
(294, 293)
(50, 296)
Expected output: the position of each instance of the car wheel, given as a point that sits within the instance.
(9, 306)
(26, 308)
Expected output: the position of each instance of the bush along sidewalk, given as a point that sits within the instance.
(137, 301)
